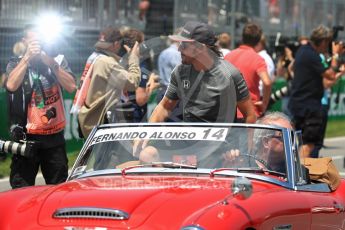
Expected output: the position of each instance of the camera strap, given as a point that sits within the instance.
(85, 80)
(38, 93)
(19, 100)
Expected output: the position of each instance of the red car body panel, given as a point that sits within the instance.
(325, 214)
(159, 202)
(173, 195)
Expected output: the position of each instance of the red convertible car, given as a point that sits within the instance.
(182, 176)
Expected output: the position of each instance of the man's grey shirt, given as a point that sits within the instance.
(209, 96)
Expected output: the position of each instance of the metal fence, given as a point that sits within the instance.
(76, 47)
(291, 18)
(84, 18)
(88, 14)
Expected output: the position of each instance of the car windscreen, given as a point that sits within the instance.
(203, 147)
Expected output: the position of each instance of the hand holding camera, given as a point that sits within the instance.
(49, 61)
(337, 60)
(337, 48)
(134, 50)
(33, 49)
(153, 83)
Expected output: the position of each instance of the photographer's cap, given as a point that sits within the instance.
(107, 37)
(195, 31)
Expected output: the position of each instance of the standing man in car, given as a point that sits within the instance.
(209, 87)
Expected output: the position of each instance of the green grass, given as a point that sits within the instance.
(335, 128)
(5, 165)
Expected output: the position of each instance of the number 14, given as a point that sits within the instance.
(218, 134)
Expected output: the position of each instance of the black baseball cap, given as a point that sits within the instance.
(196, 31)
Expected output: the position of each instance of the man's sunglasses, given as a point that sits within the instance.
(278, 137)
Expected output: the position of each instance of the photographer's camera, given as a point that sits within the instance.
(19, 145)
(278, 95)
(23, 148)
(51, 113)
(49, 48)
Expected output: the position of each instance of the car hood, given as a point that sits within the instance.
(150, 200)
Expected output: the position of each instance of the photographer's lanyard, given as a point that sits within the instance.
(38, 95)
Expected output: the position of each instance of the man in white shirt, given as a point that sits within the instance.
(260, 48)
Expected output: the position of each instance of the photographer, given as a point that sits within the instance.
(307, 85)
(326, 99)
(36, 107)
(148, 82)
(108, 79)
(284, 69)
(286, 52)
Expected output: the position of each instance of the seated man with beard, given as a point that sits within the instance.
(269, 144)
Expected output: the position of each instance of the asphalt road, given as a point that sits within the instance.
(334, 147)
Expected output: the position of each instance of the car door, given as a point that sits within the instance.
(288, 210)
(327, 212)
